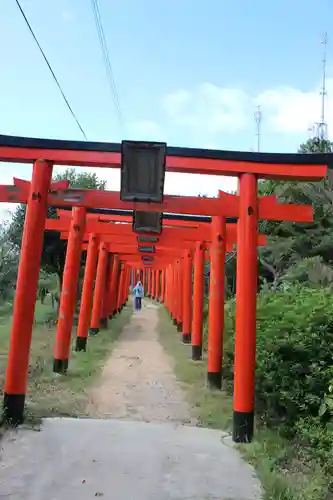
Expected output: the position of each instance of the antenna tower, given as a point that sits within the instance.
(321, 127)
(257, 117)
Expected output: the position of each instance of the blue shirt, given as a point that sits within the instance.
(138, 290)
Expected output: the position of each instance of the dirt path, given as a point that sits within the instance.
(138, 382)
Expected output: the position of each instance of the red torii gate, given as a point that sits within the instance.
(216, 316)
(177, 238)
(128, 252)
(171, 236)
(247, 166)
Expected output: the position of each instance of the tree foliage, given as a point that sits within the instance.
(9, 258)
(54, 249)
(316, 145)
(289, 242)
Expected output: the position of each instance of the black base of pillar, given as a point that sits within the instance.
(93, 331)
(60, 365)
(174, 321)
(242, 431)
(214, 380)
(196, 352)
(186, 338)
(81, 344)
(13, 409)
(104, 323)
(179, 327)
(119, 310)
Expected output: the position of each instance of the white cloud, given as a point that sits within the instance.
(291, 110)
(199, 116)
(210, 109)
(207, 110)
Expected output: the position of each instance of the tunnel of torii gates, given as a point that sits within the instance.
(161, 250)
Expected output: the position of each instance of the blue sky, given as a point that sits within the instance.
(187, 72)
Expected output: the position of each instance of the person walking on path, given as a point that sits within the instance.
(138, 291)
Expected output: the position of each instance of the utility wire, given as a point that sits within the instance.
(106, 57)
(51, 70)
(107, 61)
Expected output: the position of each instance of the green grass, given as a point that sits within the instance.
(282, 475)
(211, 408)
(50, 394)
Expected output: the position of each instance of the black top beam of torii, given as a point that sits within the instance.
(111, 147)
(165, 216)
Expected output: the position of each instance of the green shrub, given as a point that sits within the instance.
(294, 366)
(294, 353)
(314, 440)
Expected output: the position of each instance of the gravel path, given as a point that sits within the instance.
(138, 382)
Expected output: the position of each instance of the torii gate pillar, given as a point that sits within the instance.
(114, 286)
(26, 291)
(99, 289)
(216, 303)
(246, 297)
(187, 297)
(198, 301)
(87, 293)
(69, 291)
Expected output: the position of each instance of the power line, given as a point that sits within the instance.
(107, 61)
(106, 57)
(51, 70)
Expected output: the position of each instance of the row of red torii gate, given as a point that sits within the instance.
(164, 239)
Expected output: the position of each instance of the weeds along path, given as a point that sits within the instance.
(137, 382)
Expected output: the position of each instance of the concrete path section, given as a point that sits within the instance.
(122, 460)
